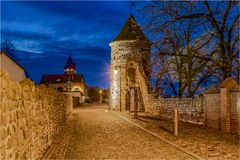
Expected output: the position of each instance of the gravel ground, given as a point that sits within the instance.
(206, 142)
(93, 133)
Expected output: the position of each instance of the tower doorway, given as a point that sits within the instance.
(131, 74)
(127, 101)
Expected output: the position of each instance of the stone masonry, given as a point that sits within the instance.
(130, 53)
(31, 116)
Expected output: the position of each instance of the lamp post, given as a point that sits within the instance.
(100, 92)
(116, 71)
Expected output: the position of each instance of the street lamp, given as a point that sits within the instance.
(115, 72)
(100, 92)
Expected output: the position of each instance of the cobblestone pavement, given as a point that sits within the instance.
(205, 142)
(94, 133)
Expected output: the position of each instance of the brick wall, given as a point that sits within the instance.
(223, 106)
(212, 103)
(235, 112)
(31, 116)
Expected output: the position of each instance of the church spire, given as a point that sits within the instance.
(70, 67)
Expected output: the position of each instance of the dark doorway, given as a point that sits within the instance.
(75, 101)
(131, 73)
(127, 101)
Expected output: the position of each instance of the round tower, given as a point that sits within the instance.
(130, 56)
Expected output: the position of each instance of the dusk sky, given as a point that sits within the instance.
(43, 34)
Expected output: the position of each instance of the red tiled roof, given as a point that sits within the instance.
(62, 78)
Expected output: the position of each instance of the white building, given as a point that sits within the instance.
(15, 71)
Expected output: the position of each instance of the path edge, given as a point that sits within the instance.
(161, 138)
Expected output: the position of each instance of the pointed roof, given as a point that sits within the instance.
(70, 63)
(131, 31)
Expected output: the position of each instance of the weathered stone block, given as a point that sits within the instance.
(4, 106)
(3, 132)
(9, 142)
(3, 119)
(21, 135)
(22, 155)
(3, 152)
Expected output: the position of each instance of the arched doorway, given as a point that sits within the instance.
(78, 96)
(130, 84)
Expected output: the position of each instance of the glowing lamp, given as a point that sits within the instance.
(115, 71)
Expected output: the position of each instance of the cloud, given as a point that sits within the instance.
(28, 35)
(45, 32)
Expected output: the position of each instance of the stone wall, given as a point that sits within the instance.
(31, 116)
(190, 109)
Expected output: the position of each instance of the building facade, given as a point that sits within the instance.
(69, 83)
(130, 61)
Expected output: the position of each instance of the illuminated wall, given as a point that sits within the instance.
(122, 53)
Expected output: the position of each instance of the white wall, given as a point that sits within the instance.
(15, 71)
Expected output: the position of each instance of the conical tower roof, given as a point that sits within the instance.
(131, 31)
(70, 63)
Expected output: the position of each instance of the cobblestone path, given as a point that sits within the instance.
(94, 133)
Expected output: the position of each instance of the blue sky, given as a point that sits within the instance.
(44, 33)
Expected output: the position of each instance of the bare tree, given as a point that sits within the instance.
(196, 44)
(223, 23)
(186, 66)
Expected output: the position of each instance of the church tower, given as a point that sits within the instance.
(70, 67)
(130, 64)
